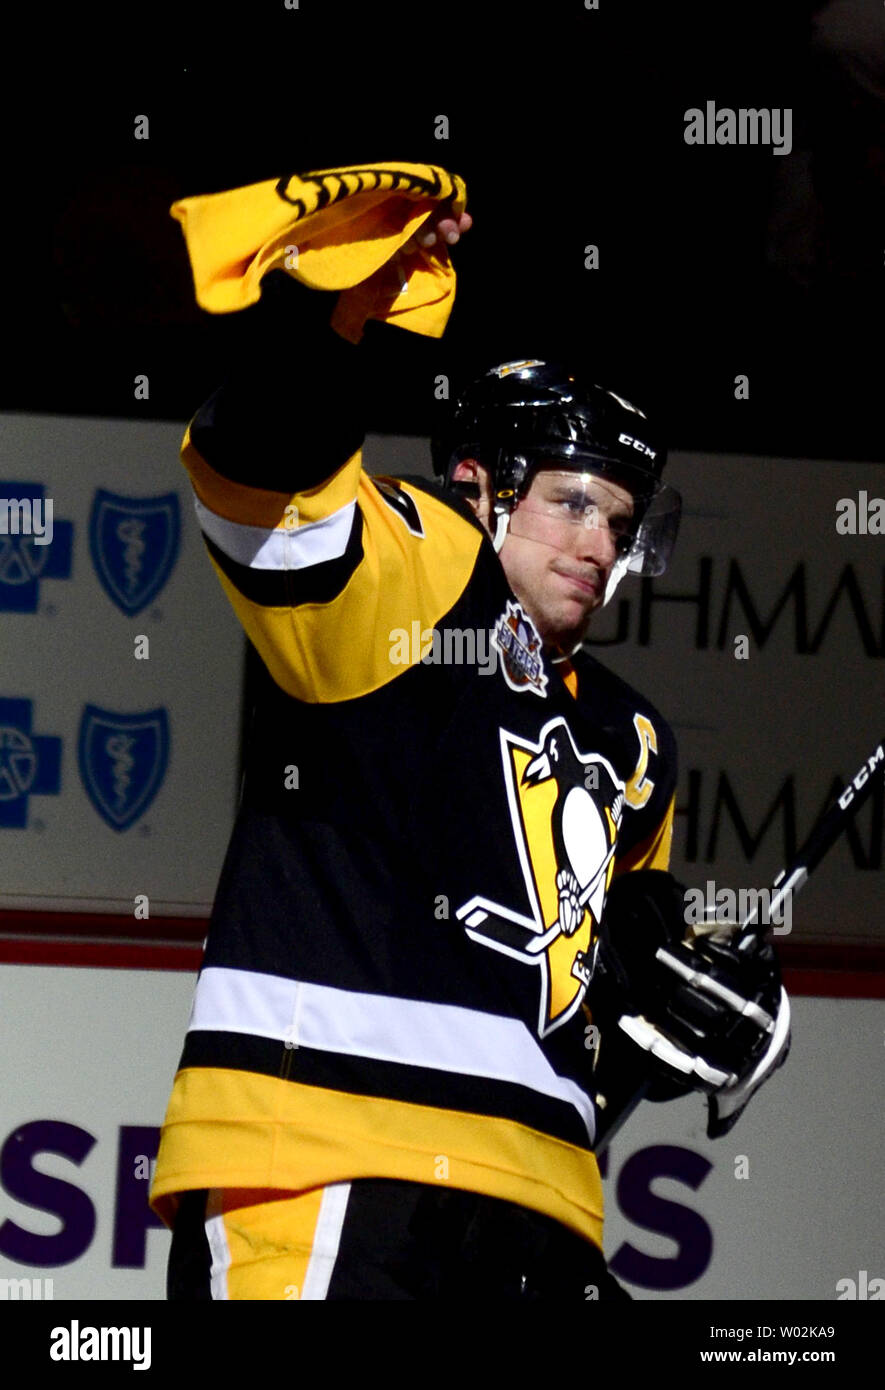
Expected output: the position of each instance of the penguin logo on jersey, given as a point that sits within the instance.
(565, 808)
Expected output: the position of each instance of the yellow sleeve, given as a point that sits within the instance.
(334, 585)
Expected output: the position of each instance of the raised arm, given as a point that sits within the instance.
(304, 544)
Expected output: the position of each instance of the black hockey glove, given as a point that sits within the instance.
(708, 1017)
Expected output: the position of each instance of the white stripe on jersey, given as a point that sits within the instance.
(218, 1246)
(281, 547)
(327, 1238)
(444, 1037)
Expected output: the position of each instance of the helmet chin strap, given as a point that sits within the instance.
(619, 569)
(501, 525)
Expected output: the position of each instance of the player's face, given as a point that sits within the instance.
(562, 542)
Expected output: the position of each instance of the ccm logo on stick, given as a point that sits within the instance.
(637, 444)
(857, 782)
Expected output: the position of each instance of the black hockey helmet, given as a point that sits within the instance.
(522, 416)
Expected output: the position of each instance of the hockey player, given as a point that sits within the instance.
(386, 1088)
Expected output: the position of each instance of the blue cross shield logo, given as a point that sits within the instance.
(30, 763)
(123, 760)
(134, 545)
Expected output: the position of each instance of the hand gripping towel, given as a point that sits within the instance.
(334, 229)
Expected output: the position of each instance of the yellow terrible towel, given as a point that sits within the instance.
(333, 229)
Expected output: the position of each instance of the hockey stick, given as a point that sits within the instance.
(826, 832)
(824, 835)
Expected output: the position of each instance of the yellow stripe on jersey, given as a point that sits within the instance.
(654, 852)
(212, 1137)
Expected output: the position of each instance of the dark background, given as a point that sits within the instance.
(567, 125)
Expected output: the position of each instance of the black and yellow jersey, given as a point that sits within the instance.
(432, 811)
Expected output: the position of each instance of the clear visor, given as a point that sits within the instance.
(643, 524)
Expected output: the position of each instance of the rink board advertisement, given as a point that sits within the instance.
(784, 1207)
(121, 675)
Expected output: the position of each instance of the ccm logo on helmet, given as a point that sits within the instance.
(637, 444)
